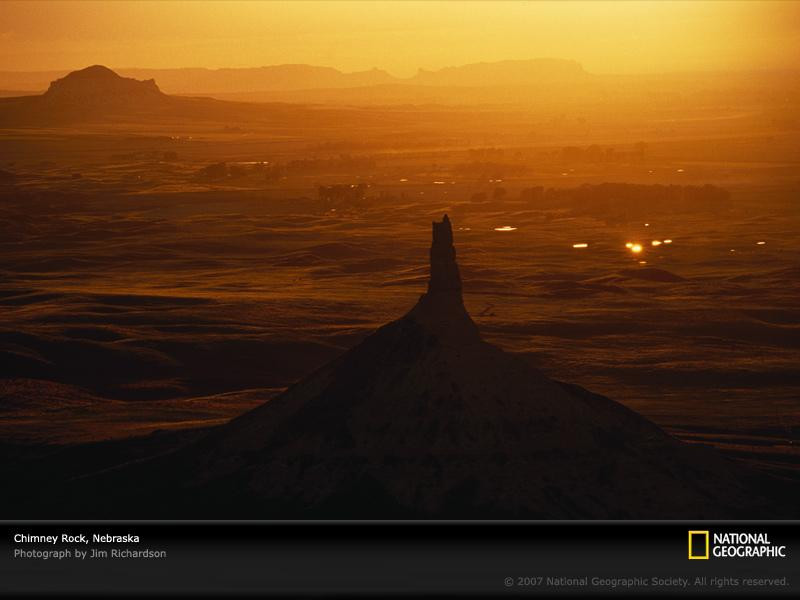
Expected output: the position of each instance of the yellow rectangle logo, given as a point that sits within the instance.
(692, 554)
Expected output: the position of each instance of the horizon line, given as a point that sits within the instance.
(766, 69)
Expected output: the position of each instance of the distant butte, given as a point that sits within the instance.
(97, 94)
(93, 94)
(100, 84)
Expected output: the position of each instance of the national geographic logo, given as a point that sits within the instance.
(698, 545)
(703, 545)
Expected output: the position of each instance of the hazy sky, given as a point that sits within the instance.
(400, 36)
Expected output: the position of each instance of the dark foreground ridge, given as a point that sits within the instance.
(423, 419)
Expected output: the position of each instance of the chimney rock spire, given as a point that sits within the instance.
(444, 269)
(441, 309)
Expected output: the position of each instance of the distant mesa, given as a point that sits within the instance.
(98, 84)
(296, 77)
(252, 79)
(506, 72)
(424, 419)
(97, 93)
(91, 94)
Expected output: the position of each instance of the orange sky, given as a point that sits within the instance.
(401, 36)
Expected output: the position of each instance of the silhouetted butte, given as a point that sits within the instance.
(424, 419)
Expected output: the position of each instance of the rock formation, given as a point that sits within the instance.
(95, 93)
(98, 84)
(99, 95)
(444, 276)
(441, 309)
(425, 419)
